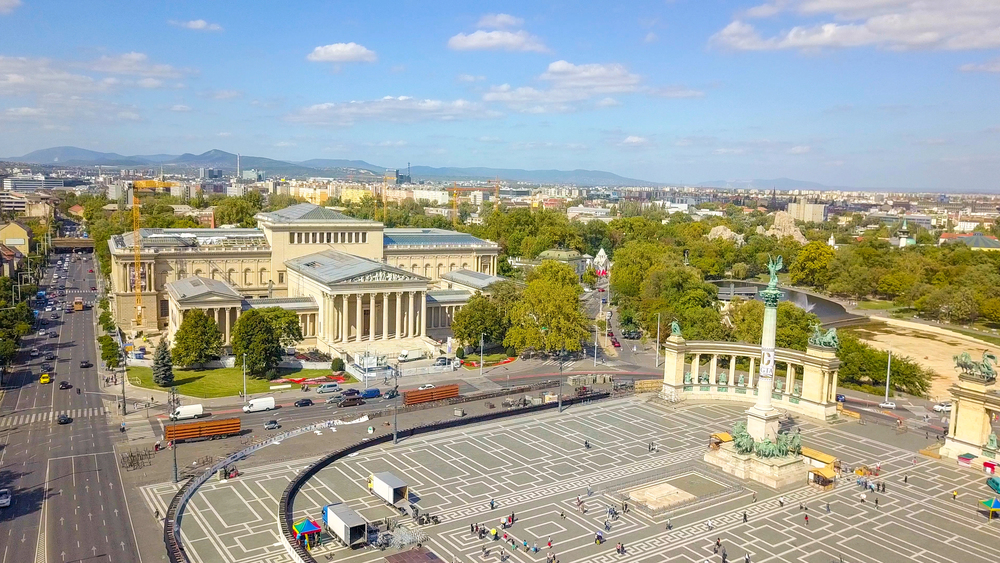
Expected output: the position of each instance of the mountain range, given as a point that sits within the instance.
(215, 158)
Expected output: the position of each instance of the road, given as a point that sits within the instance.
(68, 499)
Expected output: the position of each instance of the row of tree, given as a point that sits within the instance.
(16, 318)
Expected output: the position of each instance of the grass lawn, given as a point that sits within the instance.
(487, 358)
(212, 383)
(875, 304)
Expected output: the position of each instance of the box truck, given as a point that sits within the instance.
(185, 412)
(389, 488)
(258, 405)
(345, 524)
(410, 355)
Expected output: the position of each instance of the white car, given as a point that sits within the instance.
(942, 407)
(425, 387)
(5, 498)
(887, 405)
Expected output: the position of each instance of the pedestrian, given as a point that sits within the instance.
(709, 522)
(876, 502)
(883, 487)
(746, 558)
(623, 549)
(807, 519)
(862, 498)
(472, 529)
(669, 525)
(755, 496)
(550, 542)
(744, 516)
(493, 504)
(512, 517)
(156, 514)
(827, 507)
(562, 515)
(589, 491)
(781, 501)
(914, 460)
(954, 495)
(718, 544)
(906, 479)
(607, 526)
(801, 506)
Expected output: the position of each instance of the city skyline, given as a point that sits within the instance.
(863, 93)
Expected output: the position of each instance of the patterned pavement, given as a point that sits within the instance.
(537, 467)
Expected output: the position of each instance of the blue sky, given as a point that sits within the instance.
(868, 93)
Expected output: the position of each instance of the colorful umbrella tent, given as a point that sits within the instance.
(993, 505)
(306, 526)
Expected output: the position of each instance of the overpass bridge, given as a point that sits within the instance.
(72, 243)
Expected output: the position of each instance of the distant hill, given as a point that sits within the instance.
(74, 155)
(341, 164)
(223, 160)
(780, 184)
(580, 177)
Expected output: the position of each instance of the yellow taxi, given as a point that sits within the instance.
(45, 379)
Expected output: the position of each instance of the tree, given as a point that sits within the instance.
(197, 341)
(590, 277)
(811, 266)
(864, 366)
(740, 270)
(237, 211)
(337, 364)
(285, 323)
(163, 367)
(990, 309)
(479, 316)
(548, 317)
(254, 336)
(793, 329)
(558, 272)
(110, 353)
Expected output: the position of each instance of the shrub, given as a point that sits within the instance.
(460, 353)
(511, 352)
(337, 364)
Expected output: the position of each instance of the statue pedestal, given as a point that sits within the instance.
(762, 423)
(772, 472)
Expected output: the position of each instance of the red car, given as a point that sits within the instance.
(600, 289)
(616, 344)
(611, 334)
(92, 271)
(93, 288)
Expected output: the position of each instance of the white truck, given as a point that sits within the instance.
(184, 412)
(389, 488)
(258, 405)
(410, 355)
(346, 524)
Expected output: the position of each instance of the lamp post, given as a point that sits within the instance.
(395, 407)
(244, 378)
(482, 337)
(656, 357)
(888, 365)
(561, 355)
(173, 443)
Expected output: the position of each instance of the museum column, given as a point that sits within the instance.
(399, 315)
(385, 315)
(371, 317)
(423, 313)
(409, 315)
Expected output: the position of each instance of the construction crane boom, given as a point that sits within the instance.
(137, 264)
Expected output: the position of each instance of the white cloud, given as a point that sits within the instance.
(23, 75)
(470, 77)
(497, 41)
(225, 94)
(25, 112)
(389, 108)
(225, 134)
(608, 103)
(129, 115)
(635, 141)
(180, 108)
(989, 66)
(569, 83)
(133, 64)
(57, 111)
(933, 142)
(729, 151)
(7, 6)
(678, 92)
(150, 83)
(499, 21)
(890, 24)
(650, 38)
(197, 25)
(800, 149)
(284, 144)
(342, 53)
(391, 144)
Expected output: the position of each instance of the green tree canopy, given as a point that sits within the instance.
(479, 316)
(865, 367)
(548, 317)
(254, 336)
(793, 330)
(197, 341)
(811, 266)
(285, 324)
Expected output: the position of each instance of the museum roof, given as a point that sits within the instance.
(191, 239)
(308, 213)
(197, 286)
(430, 237)
(332, 266)
(448, 296)
(472, 278)
(289, 303)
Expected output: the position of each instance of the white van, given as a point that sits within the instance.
(261, 404)
(187, 411)
(328, 388)
(410, 355)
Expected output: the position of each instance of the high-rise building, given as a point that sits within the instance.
(802, 210)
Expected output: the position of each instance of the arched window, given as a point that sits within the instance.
(451, 267)
(440, 270)
(465, 265)
(230, 275)
(427, 270)
(198, 272)
(263, 276)
(215, 274)
(247, 277)
(414, 268)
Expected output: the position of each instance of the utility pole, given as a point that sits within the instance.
(561, 355)
(595, 346)
(888, 365)
(395, 407)
(656, 358)
(173, 443)
(244, 378)
(481, 338)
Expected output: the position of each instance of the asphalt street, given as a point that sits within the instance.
(69, 504)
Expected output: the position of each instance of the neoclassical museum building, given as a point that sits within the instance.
(355, 284)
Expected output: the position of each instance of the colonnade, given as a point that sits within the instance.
(226, 318)
(442, 316)
(715, 377)
(374, 315)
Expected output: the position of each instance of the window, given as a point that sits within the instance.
(328, 237)
(247, 277)
(364, 237)
(281, 277)
(263, 276)
(164, 307)
(291, 238)
(314, 237)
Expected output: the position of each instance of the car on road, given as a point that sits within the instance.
(86, 364)
(335, 398)
(887, 405)
(841, 398)
(600, 289)
(45, 379)
(270, 424)
(351, 393)
(93, 288)
(50, 356)
(46, 367)
(304, 403)
(371, 393)
(442, 361)
(5, 498)
(54, 316)
(64, 419)
(53, 334)
(611, 334)
(390, 394)
(351, 402)
(34, 352)
(65, 385)
(90, 271)
(425, 387)
(615, 343)
(942, 407)
(42, 332)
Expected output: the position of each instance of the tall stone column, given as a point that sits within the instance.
(345, 317)
(789, 379)
(713, 370)
(750, 381)
(696, 368)
(359, 316)
(409, 314)
(762, 418)
(385, 315)
(423, 313)
(371, 317)
(399, 315)
(731, 380)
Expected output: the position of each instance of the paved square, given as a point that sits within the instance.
(537, 467)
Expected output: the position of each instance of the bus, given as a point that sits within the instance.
(78, 304)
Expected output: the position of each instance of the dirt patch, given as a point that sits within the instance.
(932, 351)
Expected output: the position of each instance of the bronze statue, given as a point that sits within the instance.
(824, 340)
(675, 328)
(773, 265)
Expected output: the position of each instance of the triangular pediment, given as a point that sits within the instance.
(211, 298)
(384, 274)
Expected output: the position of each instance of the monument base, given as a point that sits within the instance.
(762, 423)
(772, 472)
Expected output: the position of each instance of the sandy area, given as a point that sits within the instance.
(933, 351)
(660, 496)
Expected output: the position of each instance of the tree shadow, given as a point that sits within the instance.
(23, 501)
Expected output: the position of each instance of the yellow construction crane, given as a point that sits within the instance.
(454, 200)
(152, 184)
(137, 264)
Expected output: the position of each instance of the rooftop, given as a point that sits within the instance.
(448, 296)
(191, 238)
(197, 286)
(430, 237)
(976, 240)
(308, 213)
(289, 303)
(332, 266)
(471, 278)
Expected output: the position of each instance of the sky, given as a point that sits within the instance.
(862, 93)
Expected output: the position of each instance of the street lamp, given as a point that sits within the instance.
(482, 337)
(888, 365)
(173, 443)
(656, 357)
(395, 406)
(244, 378)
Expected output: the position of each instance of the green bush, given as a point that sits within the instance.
(460, 353)
(337, 364)
(511, 352)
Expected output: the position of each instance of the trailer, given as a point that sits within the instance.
(389, 488)
(345, 524)
(417, 396)
(202, 430)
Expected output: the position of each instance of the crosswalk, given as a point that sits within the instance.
(30, 418)
(566, 366)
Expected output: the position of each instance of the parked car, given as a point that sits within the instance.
(351, 393)
(994, 483)
(615, 343)
(65, 385)
(304, 403)
(611, 334)
(5, 498)
(371, 393)
(425, 387)
(270, 424)
(600, 289)
(887, 405)
(841, 398)
(942, 407)
(90, 271)
(64, 419)
(442, 361)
